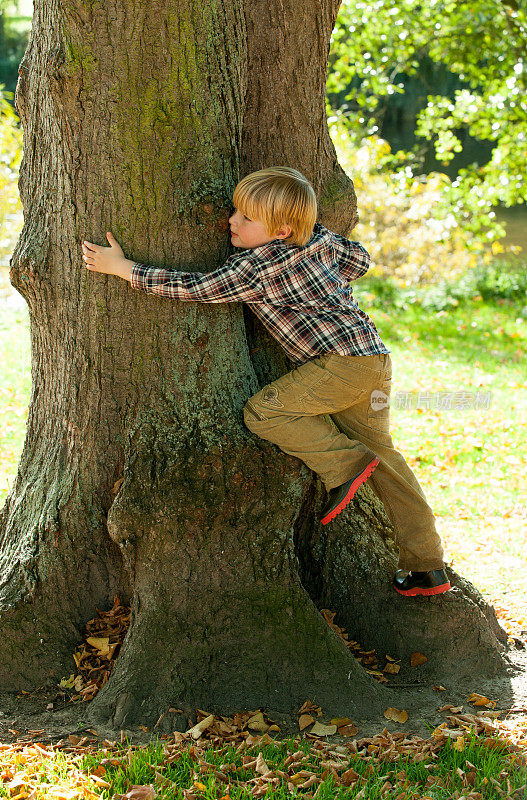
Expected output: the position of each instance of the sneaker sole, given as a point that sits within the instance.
(444, 587)
(359, 480)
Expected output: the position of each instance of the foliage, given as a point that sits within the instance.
(14, 31)
(482, 43)
(407, 241)
(10, 157)
(492, 281)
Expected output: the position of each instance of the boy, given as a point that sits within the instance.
(294, 274)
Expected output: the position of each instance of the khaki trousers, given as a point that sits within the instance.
(332, 412)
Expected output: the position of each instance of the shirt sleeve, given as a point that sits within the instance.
(237, 280)
(354, 260)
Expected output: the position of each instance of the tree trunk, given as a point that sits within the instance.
(137, 474)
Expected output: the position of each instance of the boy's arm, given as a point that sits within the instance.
(354, 260)
(235, 281)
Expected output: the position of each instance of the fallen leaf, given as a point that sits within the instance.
(348, 730)
(257, 723)
(139, 793)
(349, 778)
(100, 644)
(305, 720)
(261, 765)
(459, 744)
(416, 659)
(319, 729)
(392, 668)
(308, 707)
(439, 688)
(395, 715)
(339, 721)
(198, 729)
(481, 700)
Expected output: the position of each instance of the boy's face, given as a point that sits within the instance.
(248, 233)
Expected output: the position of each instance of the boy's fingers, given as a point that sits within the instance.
(91, 246)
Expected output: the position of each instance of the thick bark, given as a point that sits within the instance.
(140, 118)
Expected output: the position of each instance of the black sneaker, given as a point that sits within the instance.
(411, 584)
(340, 496)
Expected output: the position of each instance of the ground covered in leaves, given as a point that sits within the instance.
(469, 755)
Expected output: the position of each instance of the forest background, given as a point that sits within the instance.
(427, 110)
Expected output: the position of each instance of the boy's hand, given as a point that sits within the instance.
(108, 260)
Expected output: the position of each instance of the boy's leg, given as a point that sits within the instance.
(292, 412)
(393, 481)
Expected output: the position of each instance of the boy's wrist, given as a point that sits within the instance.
(125, 269)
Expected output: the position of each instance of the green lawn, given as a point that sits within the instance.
(470, 461)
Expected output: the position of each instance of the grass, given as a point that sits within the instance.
(469, 461)
(383, 767)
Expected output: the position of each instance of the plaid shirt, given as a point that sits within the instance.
(301, 294)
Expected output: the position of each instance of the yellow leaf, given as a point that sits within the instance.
(481, 700)
(396, 715)
(392, 668)
(459, 744)
(101, 644)
(199, 786)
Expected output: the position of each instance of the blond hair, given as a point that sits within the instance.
(279, 196)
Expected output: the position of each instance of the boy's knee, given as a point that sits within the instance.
(252, 418)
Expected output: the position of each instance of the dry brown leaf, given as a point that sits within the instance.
(305, 720)
(439, 688)
(416, 659)
(392, 668)
(198, 729)
(348, 730)
(139, 793)
(349, 778)
(310, 708)
(339, 721)
(261, 766)
(396, 715)
(257, 723)
(319, 729)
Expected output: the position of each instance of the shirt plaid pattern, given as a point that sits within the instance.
(301, 294)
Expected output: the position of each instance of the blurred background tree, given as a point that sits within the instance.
(15, 24)
(446, 81)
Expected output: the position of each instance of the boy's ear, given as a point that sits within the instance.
(284, 231)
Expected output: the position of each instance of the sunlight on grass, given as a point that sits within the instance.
(402, 767)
